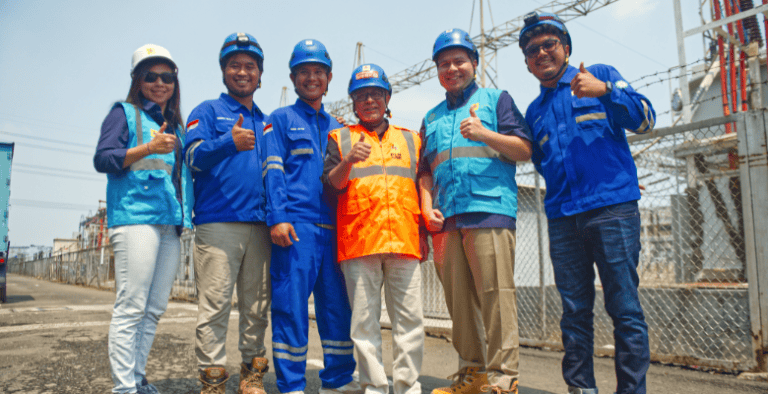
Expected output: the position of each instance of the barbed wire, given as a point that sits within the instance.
(728, 63)
(715, 97)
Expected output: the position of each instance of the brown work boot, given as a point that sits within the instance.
(252, 379)
(498, 390)
(469, 380)
(214, 380)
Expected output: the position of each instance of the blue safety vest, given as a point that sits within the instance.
(468, 176)
(144, 192)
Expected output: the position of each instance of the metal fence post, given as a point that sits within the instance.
(539, 232)
(753, 163)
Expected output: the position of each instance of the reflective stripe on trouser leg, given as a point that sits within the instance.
(491, 256)
(333, 315)
(460, 297)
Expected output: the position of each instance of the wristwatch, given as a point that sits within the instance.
(608, 87)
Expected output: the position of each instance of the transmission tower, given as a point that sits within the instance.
(284, 97)
(488, 43)
(359, 55)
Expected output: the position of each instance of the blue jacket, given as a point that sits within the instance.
(580, 146)
(228, 183)
(468, 176)
(145, 192)
(295, 138)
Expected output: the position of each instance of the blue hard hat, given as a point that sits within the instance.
(310, 51)
(454, 38)
(543, 18)
(369, 75)
(241, 43)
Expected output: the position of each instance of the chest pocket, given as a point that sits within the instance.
(485, 113)
(300, 144)
(223, 126)
(588, 113)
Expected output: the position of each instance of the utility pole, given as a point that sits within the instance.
(483, 64)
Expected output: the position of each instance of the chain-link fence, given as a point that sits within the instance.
(698, 303)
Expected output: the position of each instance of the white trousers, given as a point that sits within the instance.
(401, 279)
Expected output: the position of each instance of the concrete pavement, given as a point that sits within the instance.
(53, 339)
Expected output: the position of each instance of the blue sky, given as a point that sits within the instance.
(63, 64)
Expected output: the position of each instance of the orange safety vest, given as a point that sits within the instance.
(379, 211)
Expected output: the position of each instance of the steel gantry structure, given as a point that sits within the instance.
(499, 37)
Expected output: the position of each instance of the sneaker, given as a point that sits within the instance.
(352, 387)
(469, 380)
(579, 390)
(498, 390)
(251, 379)
(214, 380)
(144, 387)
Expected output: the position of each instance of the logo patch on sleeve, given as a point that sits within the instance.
(191, 125)
(621, 84)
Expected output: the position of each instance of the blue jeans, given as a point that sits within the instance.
(608, 237)
(146, 261)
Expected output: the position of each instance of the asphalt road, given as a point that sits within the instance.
(53, 339)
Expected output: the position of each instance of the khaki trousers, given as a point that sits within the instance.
(401, 279)
(227, 254)
(477, 268)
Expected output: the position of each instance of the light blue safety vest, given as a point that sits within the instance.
(468, 176)
(144, 193)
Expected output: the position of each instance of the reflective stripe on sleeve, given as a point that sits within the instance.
(339, 352)
(272, 167)
(191, 155)
(648, 122)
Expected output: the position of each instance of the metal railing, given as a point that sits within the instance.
(702, 268)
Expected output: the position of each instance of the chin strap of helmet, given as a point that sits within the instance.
(565, 64)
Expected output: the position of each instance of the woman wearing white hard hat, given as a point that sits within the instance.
(148, 205)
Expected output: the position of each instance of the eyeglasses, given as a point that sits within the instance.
(548, 46)
(167, 77)
(363, 96)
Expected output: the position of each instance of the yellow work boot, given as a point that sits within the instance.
(498, 390)
(252, 379)
(469, 380)
(214, 380)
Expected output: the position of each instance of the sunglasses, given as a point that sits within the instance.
(166, 77)
(548, 46)
(363, 96)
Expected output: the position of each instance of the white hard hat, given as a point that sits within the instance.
(150, 51)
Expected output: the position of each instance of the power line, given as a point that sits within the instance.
(60, 175)
(53, 149)
(50, 205)
(47, 139)
(53, 169)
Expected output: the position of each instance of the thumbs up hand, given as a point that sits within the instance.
(162, 143)
(472, 127)
(244, 139)
(584, 84)
(360, 151)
